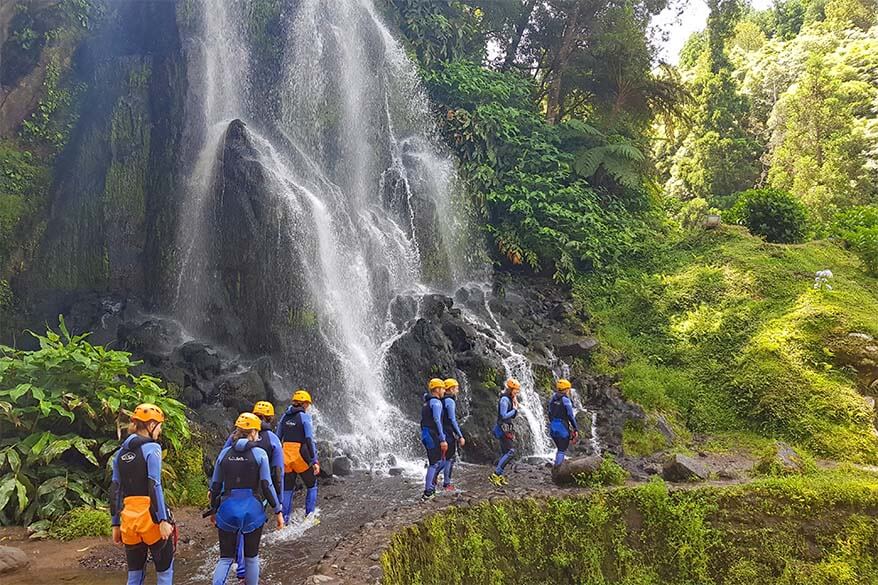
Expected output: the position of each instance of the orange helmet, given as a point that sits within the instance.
(263, 408)
(513, 384)
(148, 412)
(249, 422)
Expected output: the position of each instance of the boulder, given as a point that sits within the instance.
(782, 460)
(12, 559)
(680, 468)
(395, 471)
(192, 397)
(201, 357)
(575, 347)
(860, 352)
(241, 391)
(567, 472)
(342, 466)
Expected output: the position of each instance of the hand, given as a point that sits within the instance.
(117, 535)
(213, 519)
(515, 403)
(443, 446)
(575, 438)
(316, 468)
(461, 442)
(280, 520)
(166, 529)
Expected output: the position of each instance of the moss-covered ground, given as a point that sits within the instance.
(816, 529)
(725, 334)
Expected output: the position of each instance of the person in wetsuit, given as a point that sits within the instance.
(296, 433)
(433, 434)
(241, 480)
(452, 430)
(562, 421)
(141, 520)
(504, 430)
(268, 442)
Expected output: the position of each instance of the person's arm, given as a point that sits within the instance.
(216, 482)
(436, 410)
(153, 454)
(308, 429)
(268, 491)
(280, 425)
(451, 407)
(568, 405)
(277, 461)
(507, 413)
(116, 492)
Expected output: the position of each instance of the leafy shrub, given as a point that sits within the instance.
(775, 215)
(769, 465)
(62, 411)
(83, 521)
(560, 196)
(693, 212)
(858, 227)
(608, 473)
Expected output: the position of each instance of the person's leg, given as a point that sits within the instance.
(562, 443)
(507, 450)
(228, 543)
(163, 558)
(310, 481)
(251, 556)
(289, 492)
(135, 556)
(434, 464)
(449, 463)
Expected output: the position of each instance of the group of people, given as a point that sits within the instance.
(259, 465)
(439, 424)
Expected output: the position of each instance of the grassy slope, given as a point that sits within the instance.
(725, 334)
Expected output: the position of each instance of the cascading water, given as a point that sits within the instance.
(362, 200)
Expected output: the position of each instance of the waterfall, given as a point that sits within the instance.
(362, 197)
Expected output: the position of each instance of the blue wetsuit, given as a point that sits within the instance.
(296, 426)
(561, 420)
(269, 443)
(241, 472)
(432, 434)
(453, 432)
(137, 471)
(504, 431)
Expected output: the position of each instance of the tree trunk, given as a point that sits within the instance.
(568, 43)
(520, 27)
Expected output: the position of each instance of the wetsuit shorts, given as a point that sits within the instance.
(562, 442)
(162, 555)
(228, 542)
(308, 478)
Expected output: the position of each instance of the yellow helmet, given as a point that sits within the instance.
(148, 412)
(248, 421)
(451, 383)
(435, 383)
(301, 395)
(263, 408)
(513, 384)
(563, 384)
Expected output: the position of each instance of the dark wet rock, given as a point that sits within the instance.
(202, 357)
(12, 559)
(342, 466)
(575, 347)
(327, 468)
(664, 427)
(192, 397)
(242, 391)
(571, 468)
(395, 471)
(533, 460)
(680, 468)
(434, 305)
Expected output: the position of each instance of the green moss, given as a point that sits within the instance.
(81, 522)
(782, 531)
(642, 438)
(728, 334)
